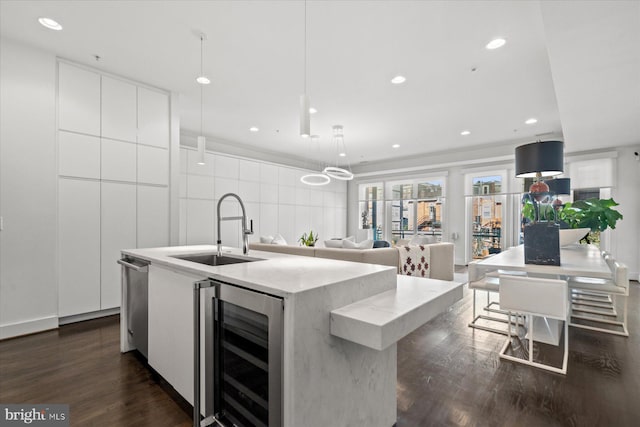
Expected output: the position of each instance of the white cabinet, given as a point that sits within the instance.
(78, 155)
(249, 171)
(79, 246)
(119, 119)
(114, 136)
(118, 160)
(199, 187)
(118, 231)
(153, 216)
(171, 328)
(226, 167)
(153, 165)
(200, 221)
(153, 118)
(78, 100)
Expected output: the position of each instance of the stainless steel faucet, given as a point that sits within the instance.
(245, 231)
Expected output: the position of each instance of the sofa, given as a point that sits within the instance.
(441, 256)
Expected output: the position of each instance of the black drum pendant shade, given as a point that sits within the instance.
(545, 158)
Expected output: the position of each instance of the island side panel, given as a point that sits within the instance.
(328, 380)
(171, 329)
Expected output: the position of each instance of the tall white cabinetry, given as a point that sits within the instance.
(113, 181)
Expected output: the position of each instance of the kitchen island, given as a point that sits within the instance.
(338, 357)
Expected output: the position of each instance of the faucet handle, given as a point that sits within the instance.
(250, 230)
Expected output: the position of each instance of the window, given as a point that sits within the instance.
(486, 215)
(371, 204)
(416, 207)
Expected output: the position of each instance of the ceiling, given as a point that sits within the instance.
(574, 65)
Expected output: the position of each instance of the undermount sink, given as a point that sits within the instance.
(215, 259)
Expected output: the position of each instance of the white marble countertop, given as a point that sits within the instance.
(381, 320)
(276, 274)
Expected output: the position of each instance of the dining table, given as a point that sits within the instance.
(576, 260)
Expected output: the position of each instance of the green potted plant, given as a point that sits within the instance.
(308, 239)
(595, 214)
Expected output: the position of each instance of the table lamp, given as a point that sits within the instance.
(542, 235)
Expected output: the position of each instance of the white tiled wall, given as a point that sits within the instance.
(273, 195)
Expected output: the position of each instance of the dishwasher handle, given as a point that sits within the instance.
(143, 268)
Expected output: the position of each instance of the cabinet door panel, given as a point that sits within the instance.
(153, 118)
(200, 227)
(171, 329)
(79, 246)
(118, 110)
(118, 160)
(78, 155)
(249, 171)
(153, 165)
(118, 231)
(78, 100)
(153, 216)
(200, 187)
(226, 167)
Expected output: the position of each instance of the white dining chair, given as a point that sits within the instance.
(535, 297)
(595, 299)
(479, 280)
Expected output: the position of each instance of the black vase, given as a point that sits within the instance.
(542, 243)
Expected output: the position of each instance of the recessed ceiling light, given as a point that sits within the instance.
(398, 80)
(531, 121)
(253, 129)
(395, 146)
(312, 110)
(465, 133)
(342, 154)
(203, 80)
(495, 43)
(50, 24)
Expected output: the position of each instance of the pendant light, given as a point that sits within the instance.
(337, 172)
(315, 179)
(305, 117)
(202, 80)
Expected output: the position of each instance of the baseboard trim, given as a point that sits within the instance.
(88, 316)
(28, 327)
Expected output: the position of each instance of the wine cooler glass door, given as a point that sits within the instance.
(244, 366)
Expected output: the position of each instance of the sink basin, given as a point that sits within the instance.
(214, 259)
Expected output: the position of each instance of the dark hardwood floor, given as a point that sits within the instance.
(448, 375)
(81, 365)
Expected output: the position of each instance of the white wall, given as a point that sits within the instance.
(273, 195)
(28, 288)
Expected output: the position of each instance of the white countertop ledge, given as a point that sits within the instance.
(383, 319)
(276, 274)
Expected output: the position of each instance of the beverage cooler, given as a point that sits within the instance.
(242, 357)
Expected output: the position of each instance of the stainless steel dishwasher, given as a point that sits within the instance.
(135, 278)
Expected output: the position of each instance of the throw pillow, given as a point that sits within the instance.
(333, 243)
(365, 244)
(278, 240)
(266, 239)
